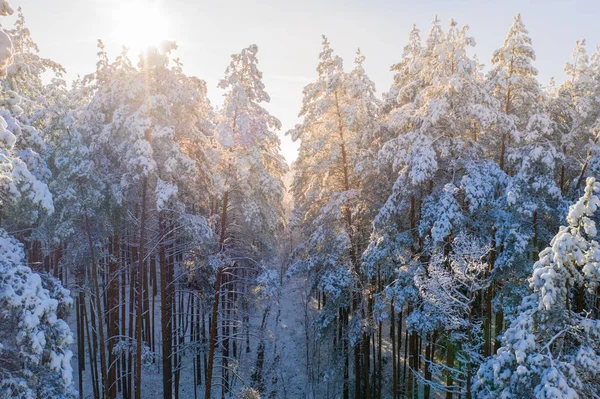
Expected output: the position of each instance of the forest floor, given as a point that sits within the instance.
(288, 335)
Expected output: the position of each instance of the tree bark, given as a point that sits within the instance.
(213, 334)
(166, 308)
(450, 365)
(140, 295)
(393, 339)
(113, 314)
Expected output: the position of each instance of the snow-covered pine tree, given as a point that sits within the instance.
(525, 136)
(34, 338)
(551, 349)
(389, 248)
(26, 97)
(321, 186)
(512, 81)
(573, 108)
(249, 193)
(364, 122)
(338, 140)
(436, 142)
(407, 82)
(523, 141)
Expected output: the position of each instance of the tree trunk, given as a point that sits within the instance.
(450, 365)
(113, 314)
(80, 305)
(366, 367)
(407, 384)
(92, 348)
(487, 328)
(427, 372)
(225, 323)
(166, 309)
(393, 339)
(123, 282)
(585, 165)
(379, 362)
(140, 295)
(132, 318)
(213, 335)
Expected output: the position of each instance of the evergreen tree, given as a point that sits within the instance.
(551, 348)
(249, 191)
(34, 338)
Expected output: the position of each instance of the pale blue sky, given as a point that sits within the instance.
(288, 34)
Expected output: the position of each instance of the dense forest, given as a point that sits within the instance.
(435, 241)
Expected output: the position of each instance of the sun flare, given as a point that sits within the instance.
(138, 24)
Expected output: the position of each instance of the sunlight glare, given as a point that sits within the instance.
(138, 24)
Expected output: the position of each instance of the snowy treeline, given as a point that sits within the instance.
(422, 216)
(445, 232)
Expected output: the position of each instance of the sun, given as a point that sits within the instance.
(139, 24)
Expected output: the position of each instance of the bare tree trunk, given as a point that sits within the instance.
(131, 331)
(123, 316)
(380, 363)
(499, 327)
(204, 342)
(414, 363)
(146, 305)
(198, 341)
(489, 294)
(80, 305)
(504, 134)
(154, 284)
(213, 334)
(561, 183)
(92, 348)
(367, 366)
(399, 353)
(427, 372)
(225, 322)
(166, 309)
(379, 343)
(450, 365)
(407, 384)
(393, 339)
(140, 295)
(113, 314)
